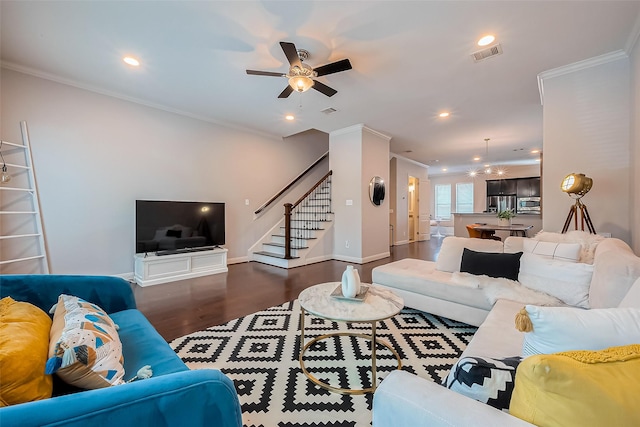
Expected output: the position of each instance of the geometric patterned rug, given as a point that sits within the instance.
(259, 352)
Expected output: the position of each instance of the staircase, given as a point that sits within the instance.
(310, 221)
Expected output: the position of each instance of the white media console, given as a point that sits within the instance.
(151, 269)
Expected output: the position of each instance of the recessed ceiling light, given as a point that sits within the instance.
(486, 40)
(535, 151)
(131, 61)
(444, 169)
(289, 117)
(538, 160)
(476, 159)
(443, 114)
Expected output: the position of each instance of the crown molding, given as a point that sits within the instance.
(406, 159)
(578, 66)
(359, 128)
(70, 82)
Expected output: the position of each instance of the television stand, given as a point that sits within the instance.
(186, 250)
(153, 269)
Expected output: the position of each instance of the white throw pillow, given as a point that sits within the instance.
(563, 251)
(452, 247)
(557, 329)
(567, 281)
(588, 241)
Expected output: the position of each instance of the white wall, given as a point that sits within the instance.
(356, 154)
(344, 161)
(399, 218)
(635, 146)
(95, 155)
(586, 129)
(375, 219)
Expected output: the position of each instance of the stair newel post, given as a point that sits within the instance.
(287, 230)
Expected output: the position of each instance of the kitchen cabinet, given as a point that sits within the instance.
(528, 187)
(501, 187)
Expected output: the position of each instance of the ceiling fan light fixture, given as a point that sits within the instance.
(300, 83)
(300, 77)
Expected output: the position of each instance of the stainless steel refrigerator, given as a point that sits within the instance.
(501, 203)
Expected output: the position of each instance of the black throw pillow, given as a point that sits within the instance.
(491, 264)
(174, 233)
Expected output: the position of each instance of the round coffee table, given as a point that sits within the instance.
(376, 304)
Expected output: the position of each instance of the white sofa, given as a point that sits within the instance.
(404, 399)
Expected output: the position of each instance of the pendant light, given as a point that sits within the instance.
(487, 166)
(4, 176)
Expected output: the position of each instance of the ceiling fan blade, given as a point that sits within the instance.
(286, 92)
(323, 88)
(334, 67)
(264, 73)
(291, 53)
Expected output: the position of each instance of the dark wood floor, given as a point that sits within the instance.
(180, 308)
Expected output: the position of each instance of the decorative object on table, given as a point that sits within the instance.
(576, 185)
(505, 217)
(360, 296)
(350, 282)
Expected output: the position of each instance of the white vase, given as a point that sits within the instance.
(504, 222)
(350, 282)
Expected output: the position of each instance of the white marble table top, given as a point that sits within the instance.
(378, 304)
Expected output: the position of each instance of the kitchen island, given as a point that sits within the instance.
(461, 220)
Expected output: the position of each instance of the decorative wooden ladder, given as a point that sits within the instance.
(18, 200)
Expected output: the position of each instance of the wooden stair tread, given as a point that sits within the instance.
(294, 237)
(281, 245)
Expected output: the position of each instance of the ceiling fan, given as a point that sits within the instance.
(301, 75)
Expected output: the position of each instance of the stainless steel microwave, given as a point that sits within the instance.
(528, 205)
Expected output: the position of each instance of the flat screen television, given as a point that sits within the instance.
(169, 227)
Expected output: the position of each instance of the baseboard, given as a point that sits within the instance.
(350, 259)
(376, 257)
(318, 259)
(126, 276)
(401, 242)
(238, 260)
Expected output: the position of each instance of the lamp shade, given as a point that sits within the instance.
(576, 183)
(300, 83)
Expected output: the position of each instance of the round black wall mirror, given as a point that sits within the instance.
(376, 190)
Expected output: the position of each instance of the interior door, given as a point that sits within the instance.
(424, 209)
(413, 209)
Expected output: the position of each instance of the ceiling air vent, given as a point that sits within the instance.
(486, 53)
(328, 110)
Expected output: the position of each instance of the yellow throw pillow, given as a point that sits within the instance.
(579, 388)
(24, 341)
(84, 348)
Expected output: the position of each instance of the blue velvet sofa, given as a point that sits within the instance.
(173, 396)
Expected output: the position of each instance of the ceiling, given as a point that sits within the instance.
(411, 60)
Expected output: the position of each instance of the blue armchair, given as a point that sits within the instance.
(173, 396)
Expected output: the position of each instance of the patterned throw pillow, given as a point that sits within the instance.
(486, 380)
(84, 347)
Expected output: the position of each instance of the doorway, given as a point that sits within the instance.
(418, 208)
(414, 211)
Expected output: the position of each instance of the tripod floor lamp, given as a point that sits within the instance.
(576, 185)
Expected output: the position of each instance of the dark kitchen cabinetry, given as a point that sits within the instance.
(528, 187)
(502, 187)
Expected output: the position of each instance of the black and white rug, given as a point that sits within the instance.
(260, 352)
